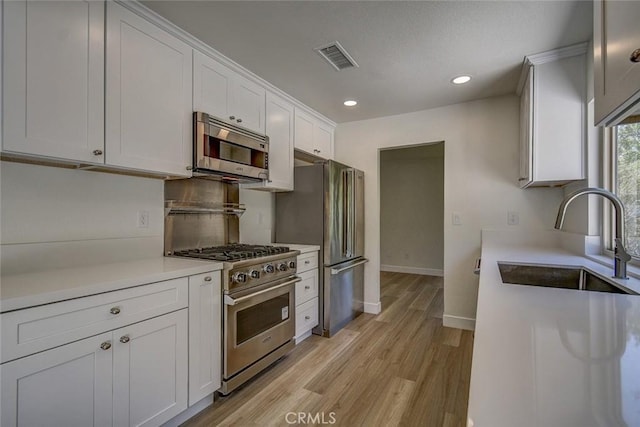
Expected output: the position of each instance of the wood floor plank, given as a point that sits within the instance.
(400, 367)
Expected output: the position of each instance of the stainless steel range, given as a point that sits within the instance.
(258, 285)
(258, 281)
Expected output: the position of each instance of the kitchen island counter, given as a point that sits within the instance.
(552, 357)
(26, 290)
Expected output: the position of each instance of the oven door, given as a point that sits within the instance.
(257, 322)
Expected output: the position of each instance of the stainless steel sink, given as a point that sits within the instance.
(557, 276)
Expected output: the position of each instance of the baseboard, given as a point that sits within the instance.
(303, 337)
(373, 307)
(412, 270)
(459, 322)
(190, 412)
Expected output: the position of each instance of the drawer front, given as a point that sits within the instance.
(307, 288)
(307, 262)
(306, 316)
(36, 329)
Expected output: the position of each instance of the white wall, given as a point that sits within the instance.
(411, 209)
(88, 214)
(481, 175)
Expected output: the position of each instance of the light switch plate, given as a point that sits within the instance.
(513, 218)
(456, 218)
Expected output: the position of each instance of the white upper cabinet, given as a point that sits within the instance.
(312, 135)
(53, 85)
(279, 128)
(221, 92)
(616, 45)
(553, 117)
(149, 95)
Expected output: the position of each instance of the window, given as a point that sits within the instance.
(626, 180)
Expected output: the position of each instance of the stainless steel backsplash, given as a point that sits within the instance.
(199, 230)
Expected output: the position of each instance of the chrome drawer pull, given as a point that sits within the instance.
(105, 345)
(125, 339)
(207, 279)
(307, 287)
(307, 317)
(115, 310)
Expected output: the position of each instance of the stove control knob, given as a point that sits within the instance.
(292, 264)
(255, 274)
(269, 268)
(282, 267)
(239, 277)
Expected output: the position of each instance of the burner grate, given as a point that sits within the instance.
(233, 252)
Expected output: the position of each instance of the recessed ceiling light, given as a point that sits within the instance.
(460, 80)
(350, 103)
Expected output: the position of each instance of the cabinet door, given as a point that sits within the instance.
(205, 329)
(211, 86)
(248, 104)
(149, 96)
(303, 136)
(526, 126)
(616, 36)
(66, 386)
(53, 63)
(150, 370)
(323, 141)
(280, 132)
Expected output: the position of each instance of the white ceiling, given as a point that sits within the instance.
(407, 51)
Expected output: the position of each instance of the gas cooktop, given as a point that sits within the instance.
(232, 252)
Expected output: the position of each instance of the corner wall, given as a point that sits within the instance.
(481, 175)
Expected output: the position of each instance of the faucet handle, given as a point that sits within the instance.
(620, 252)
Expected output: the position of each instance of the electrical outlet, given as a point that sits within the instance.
(513, 218)
(143, 219)
(456, 218)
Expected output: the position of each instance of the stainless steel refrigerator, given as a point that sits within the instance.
(326, 208)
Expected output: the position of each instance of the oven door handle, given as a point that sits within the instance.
(233, 301)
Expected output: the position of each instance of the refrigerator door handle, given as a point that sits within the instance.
(345, 213)
(335, 271)
(352, 216)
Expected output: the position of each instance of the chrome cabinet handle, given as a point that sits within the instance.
(239, 120)
(307, 287)
(115, 310)
(307, 318)
(635, 56)
(307, 262)
(105, 345)
(189, 168)
(232, 117)
(125, 339)
(97, 152)
(207, 279)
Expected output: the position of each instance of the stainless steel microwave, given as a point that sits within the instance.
(229, 151)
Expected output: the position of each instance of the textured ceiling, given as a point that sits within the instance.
(407, 51)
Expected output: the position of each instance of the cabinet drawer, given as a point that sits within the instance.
(36, 329)
(306, 316)
(307, 288)
(307, 261)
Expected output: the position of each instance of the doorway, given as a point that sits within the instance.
(412, 209)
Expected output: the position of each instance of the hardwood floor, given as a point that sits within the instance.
(401, 367)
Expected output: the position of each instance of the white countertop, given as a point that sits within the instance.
(27, 290)
(552, 357)
(302, 248)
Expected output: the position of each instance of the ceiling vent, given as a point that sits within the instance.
(335, 55)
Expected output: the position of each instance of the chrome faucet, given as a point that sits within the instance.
(620, 255)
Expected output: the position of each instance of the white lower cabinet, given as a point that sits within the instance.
(205, 349)
(131, 357)
(68, 386)
(133, 376)
(306, 295)
(150, 370)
